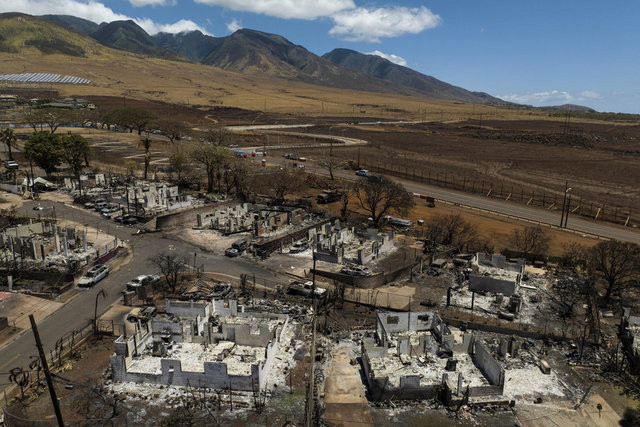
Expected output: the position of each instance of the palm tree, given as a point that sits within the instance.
(146, 143)
(8, 137)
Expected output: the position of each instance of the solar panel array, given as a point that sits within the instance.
(43, 78)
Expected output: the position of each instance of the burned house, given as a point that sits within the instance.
(212, 344)
(416, 355)
(248, 217)
(629, 334)
(46, 244)
(336, 243)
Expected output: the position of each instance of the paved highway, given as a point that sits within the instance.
(544, 216)
(78, 312)
(574, 223)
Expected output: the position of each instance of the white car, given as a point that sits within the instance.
(93, 276)
(142, 280)
(363, 172)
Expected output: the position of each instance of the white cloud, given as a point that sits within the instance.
(182, 26)
(540, 98)
(287, 9)
(391, 57)
(142, 3)
(93, 11)
(552, 97)
(234, 26)
(589, 94)
(362, 24)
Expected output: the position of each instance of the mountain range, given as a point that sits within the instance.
(255, 52)
(246, 51)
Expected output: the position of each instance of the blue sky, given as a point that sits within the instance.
(542, 52)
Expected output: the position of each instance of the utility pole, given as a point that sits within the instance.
(566, 215)
(564, 201)
(47, 374)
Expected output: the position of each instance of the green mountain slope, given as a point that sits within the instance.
(20, 33)
(254, 52)
(127, 35)
(382, 68)
(193, 45)
(80, 25)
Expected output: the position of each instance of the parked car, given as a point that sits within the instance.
(141, 314)
(232, 252)
(129, 220)
(11, 164)
(298, 247)
(109, 211)
(38, 207)
(291, 156)
(233, 145)
(363, 172)
(399, 222)
(142, 280)
(93, 276)
(329, 196)
(241, 244)
(356, 270)
(305, 289)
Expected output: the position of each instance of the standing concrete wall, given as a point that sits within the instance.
(489, 366)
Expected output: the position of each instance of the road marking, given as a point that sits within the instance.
(10, 360)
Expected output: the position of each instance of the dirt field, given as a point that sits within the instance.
(523, 159)
(495, 230)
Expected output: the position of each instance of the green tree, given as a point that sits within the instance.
(75, 149)
(173, 130)
(8, 137)
(178, 163)
(212, 157)
(44, 149)
(130, 118)
(379, 196)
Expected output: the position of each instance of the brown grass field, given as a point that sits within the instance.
(121, 74)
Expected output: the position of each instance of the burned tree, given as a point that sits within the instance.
(379, 196)
(170, 266)
(530, 240)
(283, 182)
(451, 231)
(75, 149)
(614, 262)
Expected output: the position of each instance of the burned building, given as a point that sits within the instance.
(336, 243)
(248, 217)
(416, 355)
(202, 343)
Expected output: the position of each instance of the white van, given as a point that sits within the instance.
(93, 276)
